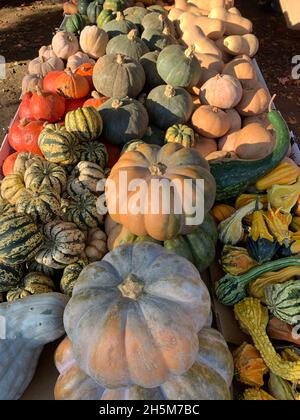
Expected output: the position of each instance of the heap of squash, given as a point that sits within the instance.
(159, 92)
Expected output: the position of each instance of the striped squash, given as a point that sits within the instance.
(44, 269)
(24, 160)
(5, 207)
(85, 177)
(12, 186)
(83, 212)
(85, 123)
(43, 205)
(115, 5)
(45, 174)
(94, 152)
(20, 238)
(283, 301)
(182, 134)
(70, 276)
(10, 276)
(105, 16)
(64, 245)
(58, 145)
(32, 284)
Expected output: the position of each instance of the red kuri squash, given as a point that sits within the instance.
(9, 163)
(24, 110)
(47, 106)
(23, 136)
(49, 81)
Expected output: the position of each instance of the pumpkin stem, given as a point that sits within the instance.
(170, 91)
(272, 102)
(132, 34)
(120, 59)
(158, 169)
(131, 287)
(120, 16)
(166, 31)
(189, 52)
(215, 109)
(161, 17)
(95, 95)
(39, 90)
(116, 103)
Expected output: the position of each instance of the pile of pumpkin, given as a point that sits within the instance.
(138, 321)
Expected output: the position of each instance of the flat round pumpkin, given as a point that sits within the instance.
(129, 45)
(112, 342)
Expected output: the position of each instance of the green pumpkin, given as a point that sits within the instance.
(157, 40)
(82, 211)
(167, 106)
(70, 276)
(58, 145)
(123, 120)
(104, 17)
(84, 123)
(43, 205)
(32, 284)
(154, 135)
(93, 11)
(82, 6)
(118, 26)
(95, 152)
(129, 45)
(158, 22)
(148, 61)
(20, 238)
(178, 66)
(10, 276)
(75, 23)
(182, 134)
(135, 15)
(157, 9)
(283, 301)
(115, 5)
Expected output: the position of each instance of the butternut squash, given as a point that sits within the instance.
(243, 69)
(253, 142)
(227, 142)
(261, 119)
(205, 146)
(184, 5)
(211, 65)
(235, 11)
(255, 101)
(208, 5)
(241, 44)
(234, 24)
(211, 28)
(203, 45)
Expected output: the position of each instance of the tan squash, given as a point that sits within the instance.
(210, 122)
(190, 7)
(211, 65)
(221, 155)
(212, 28)
(203, 45)
(243, 69)
(205, 146)
(227, 142)
(234, 24)
(255, 101)
(208, 5)
(93, 41)
(241, 44)
(221, 91)
(253, 142)
(235, 11)
(261, 119)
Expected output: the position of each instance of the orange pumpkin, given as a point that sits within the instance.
(71, 85)
(221, 212)
(8, 164)
(86, 70)
(210, 121)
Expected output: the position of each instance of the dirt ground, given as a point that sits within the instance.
(26, 25)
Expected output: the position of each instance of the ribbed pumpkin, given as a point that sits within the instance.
(178, 66)
(82, 211)
(129, 45)
(118, 76)
(123, 120)
(43, 205)
(159, 22)
(105, 16)
(20, 238)
(93, 10)
(75, 23)
(70, 276)
(208, 379)
(95, 245)
(118, 26)
(84, 123)
(46, 175)
(135, 15)
(94, 152)
(64, 44)
(283, 301)
(157, 40)
(146, 163)
(96, 99)
(32, 284)
(12, 187)
(64, 243)
(46, 106)
(182, 134)
(24, 160)
(168, 106)
(93, 41)
(85, 177)
(10, 276)
(121, 280)
(58, 145)
(23, 135)
(148, 61)
(71, 85)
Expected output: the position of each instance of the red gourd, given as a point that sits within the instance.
(24, 110)
(71, 85)
(47, 106)
(72, 104)
(9, 163)
(49, 81)
(96, 100)
(86, 70)
(23, 136)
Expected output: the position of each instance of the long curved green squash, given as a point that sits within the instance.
(235, 176)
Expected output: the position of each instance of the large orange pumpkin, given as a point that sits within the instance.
(148, 162)
(133, 317)
(71, 85)
(208, 379)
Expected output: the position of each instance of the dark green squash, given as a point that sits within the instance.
(157, 9)
(154, 135)
(115, 5)
(124, 120)
(167, 106)
(148, 61)
(82, 6)
(158, 22)
(104, 17)
(44, 269)
(135, 15)
(94, 9)
(10, 276)
(75, 23)
(95, 152)
(157, 40)
(118, 76)
(118, 26)
(129, 45)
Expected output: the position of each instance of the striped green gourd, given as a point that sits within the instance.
(5, 206)
(58, 145)
(283, 301)
(93, 11)
(85, 177)
(70, 276)
(84, 123)
(115, 5)
(231, 289)
(75, 23)
(10, 276)
(32, 284)
(20, 238)
(95, 152)
(82, 211)
(43, 174)
(105, 16)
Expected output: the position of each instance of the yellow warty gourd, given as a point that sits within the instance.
(284, 174)
(284, 197)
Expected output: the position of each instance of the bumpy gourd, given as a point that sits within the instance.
(252, 394)
(284, 197)
(249, 366)
(283, 301)
(221, 212)
(236, 260)
(253, 319)
(284, 174)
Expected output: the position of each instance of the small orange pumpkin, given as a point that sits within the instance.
(86, 70)
(71, 85)
(96, 100)
(221, 212)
